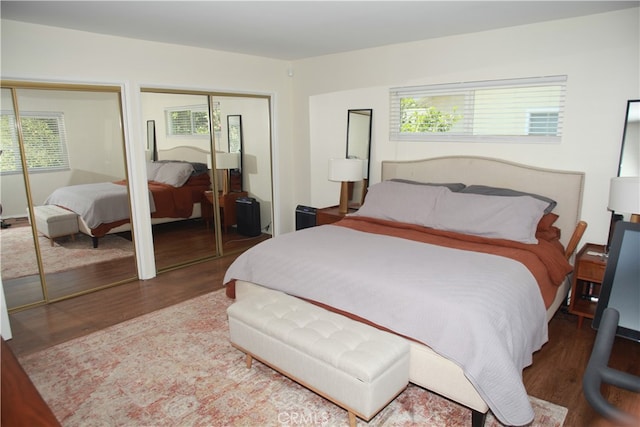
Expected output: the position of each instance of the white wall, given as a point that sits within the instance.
(598, 53)
(42, 53)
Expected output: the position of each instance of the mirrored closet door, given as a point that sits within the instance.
(18, 256)
(222, 141)
(179, 163)
(73, 146)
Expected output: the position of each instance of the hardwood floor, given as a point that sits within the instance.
(555, 376)
(175, 244)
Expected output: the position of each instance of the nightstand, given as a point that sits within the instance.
(587, 278)
(227, 204)
(330, 215)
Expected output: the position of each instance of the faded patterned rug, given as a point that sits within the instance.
(18, 257)
(175, 367)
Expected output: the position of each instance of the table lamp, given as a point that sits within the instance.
(624, 196)
(226, 161)
(345, 171)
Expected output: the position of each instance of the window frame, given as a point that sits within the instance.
(470, 127)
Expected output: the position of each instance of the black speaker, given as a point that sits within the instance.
(305, 217)
(248, 212)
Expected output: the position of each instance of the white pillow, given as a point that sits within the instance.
(172, 173)
(511, 218)
(403, 202)
(152, 170)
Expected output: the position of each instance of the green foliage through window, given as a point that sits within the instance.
(44, 142)
(419, 116)
(191, 120)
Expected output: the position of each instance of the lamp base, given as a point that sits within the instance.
(344, 198)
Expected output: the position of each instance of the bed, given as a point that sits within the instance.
(176, 188)
(397, 264)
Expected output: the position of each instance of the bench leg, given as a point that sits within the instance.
(51, 240)
(352, 419)
(249, 360)
(478, 418)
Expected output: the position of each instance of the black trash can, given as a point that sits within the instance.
(248, 213)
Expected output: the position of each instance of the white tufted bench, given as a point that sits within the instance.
(54, 221)
(356, 366)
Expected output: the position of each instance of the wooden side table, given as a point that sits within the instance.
(227, 204)
(587, 279)
(330, 215)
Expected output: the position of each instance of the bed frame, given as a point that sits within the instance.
(190, 154)
(427, 368)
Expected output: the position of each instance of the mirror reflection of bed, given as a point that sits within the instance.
(91, 111)
(178, 241)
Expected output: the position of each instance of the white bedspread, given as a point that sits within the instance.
(99, 203)
(483, 312)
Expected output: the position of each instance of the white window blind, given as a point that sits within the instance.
(515, 110)
(193, 120)
(44, 142)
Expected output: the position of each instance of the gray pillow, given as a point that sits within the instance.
(397, 201)
(152, 170)
(507, 192)
(453, 186)
(174, 173)
(512, 218)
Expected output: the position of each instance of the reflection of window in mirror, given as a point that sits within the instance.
(359, 147)
(234, 138)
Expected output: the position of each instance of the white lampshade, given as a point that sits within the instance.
(227, 160)
(624, 194)
(345, 170)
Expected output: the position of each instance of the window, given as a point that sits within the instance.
(44, 142)
(517, 110)
(192, 120)
(543, 123)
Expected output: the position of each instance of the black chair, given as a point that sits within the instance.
(599, 372)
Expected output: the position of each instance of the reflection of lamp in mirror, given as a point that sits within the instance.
(624, 196)
(345, 171)
(226, 161)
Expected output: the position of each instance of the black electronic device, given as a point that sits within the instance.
(248, 215)
(621, 283)
(305, 217)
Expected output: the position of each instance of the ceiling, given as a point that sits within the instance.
(292, 30)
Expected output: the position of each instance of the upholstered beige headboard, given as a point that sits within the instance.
(565, 187)
(189, 154)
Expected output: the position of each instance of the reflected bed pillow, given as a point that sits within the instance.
(170, 173)
(398, 201)
(507, 192)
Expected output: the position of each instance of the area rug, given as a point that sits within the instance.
(175, 367)
(19, 258)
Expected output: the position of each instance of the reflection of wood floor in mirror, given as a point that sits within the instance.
(175, 244)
